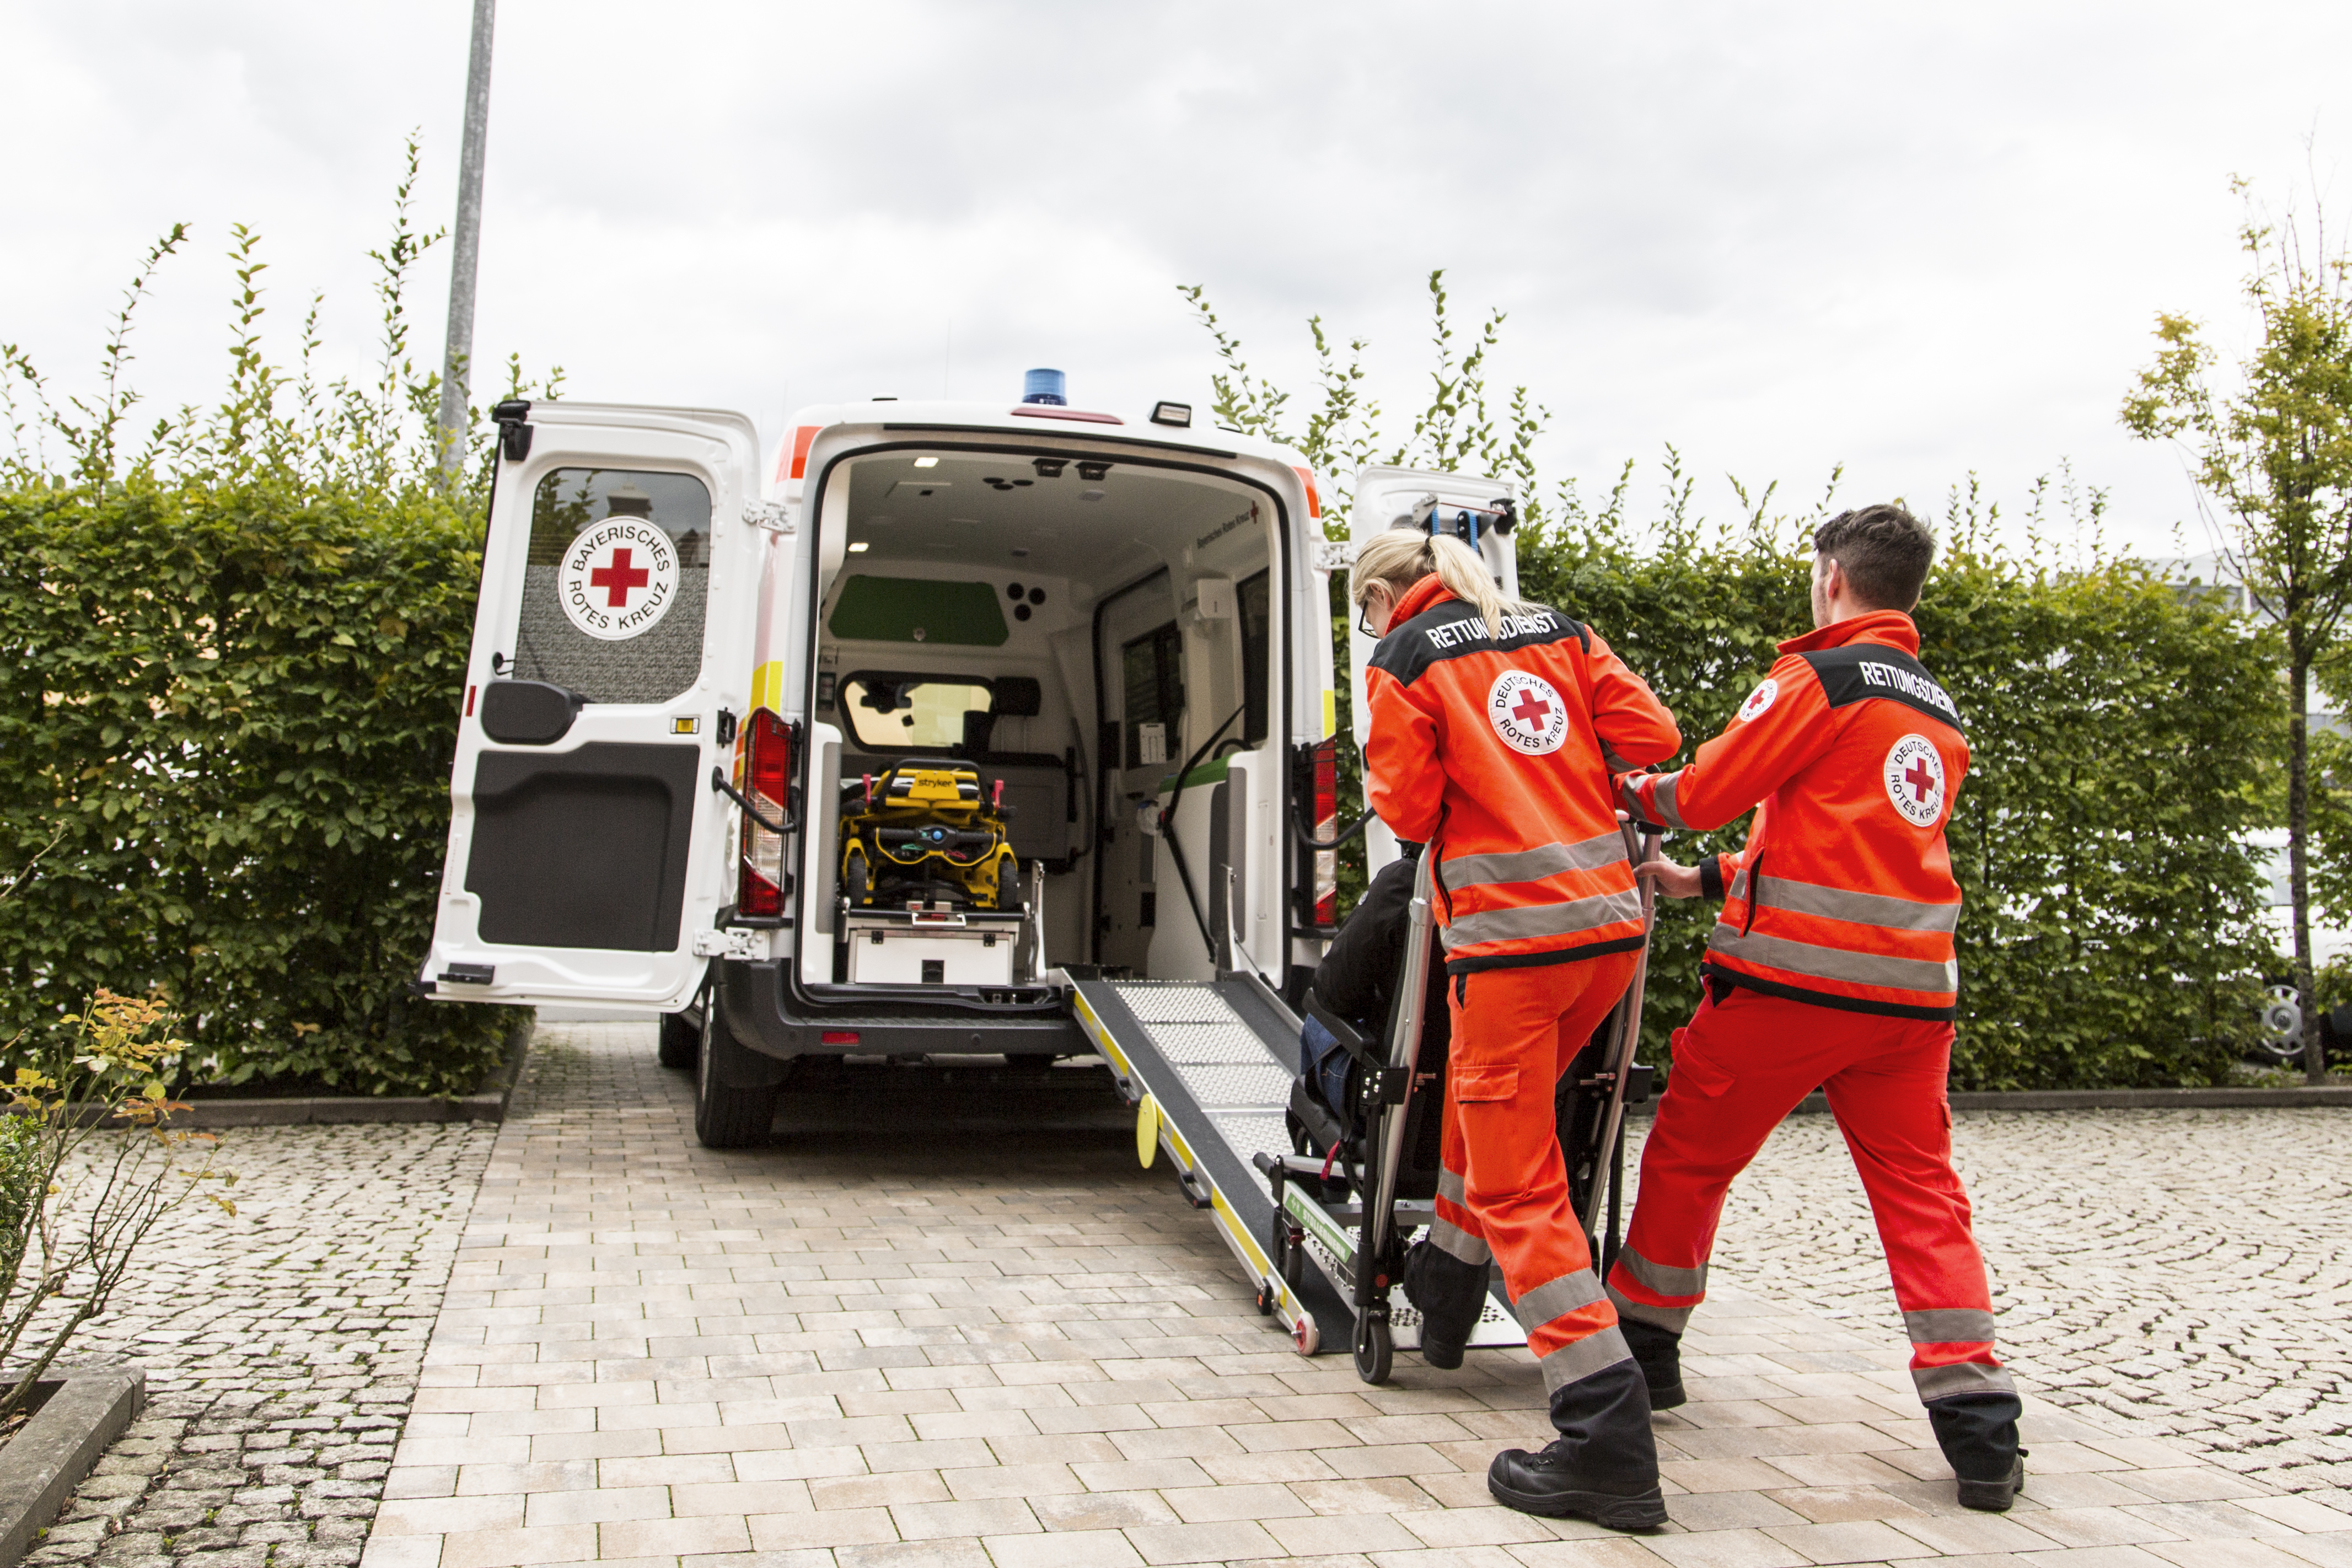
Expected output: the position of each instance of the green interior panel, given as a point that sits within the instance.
(918, 609)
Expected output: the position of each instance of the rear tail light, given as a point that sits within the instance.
(763, 771)
(838, 1037)
(1319, 783)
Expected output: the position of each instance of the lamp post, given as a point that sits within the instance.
(465, 256)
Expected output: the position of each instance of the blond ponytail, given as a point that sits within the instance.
(1400, 557)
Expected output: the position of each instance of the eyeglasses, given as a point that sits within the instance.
(1364, 619)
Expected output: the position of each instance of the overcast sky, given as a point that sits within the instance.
(1919, 241)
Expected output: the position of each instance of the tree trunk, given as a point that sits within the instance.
(2298, 832)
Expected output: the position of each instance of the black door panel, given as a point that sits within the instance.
(586, 848)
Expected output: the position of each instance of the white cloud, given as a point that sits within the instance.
(1920, 242)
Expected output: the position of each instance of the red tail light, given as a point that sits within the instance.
(1326, 762)
(763, 771)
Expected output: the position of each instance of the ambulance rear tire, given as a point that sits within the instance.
(680, 1045)
(1375, 1351)
(725, 1115)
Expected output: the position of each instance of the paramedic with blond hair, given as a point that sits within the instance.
(1832, 966)
(1495, 727)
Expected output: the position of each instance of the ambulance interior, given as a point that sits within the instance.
(1073, 631)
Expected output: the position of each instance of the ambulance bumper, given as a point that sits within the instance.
(758, 1005)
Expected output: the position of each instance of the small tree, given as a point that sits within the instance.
(2271, 453)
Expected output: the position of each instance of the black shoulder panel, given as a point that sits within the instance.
(1453, 629)
(1860, 672)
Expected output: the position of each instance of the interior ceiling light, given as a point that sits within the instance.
(1093, 470)
(857, 547)
(927, 462)
(1050, 468)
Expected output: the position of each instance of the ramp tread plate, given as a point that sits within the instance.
(1180, 1002)
(1186, 1044)
(1250, 1133)
(1256, 1085)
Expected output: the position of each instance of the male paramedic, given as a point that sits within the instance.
(1496, 728)
(1830, 966)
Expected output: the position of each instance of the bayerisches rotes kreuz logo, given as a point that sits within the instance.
(1915, 780)
(1759, 701)
(1527, 712)
(619, 578)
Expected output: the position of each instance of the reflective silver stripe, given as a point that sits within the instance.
(1556, 1298)
(1859, 909)
(1449, 1237)
(1660, 1278)
(1836, 962)
(1948, 1326)
(1545, 920)
(1960, 1377)
(1674, 1319)
(1452, 1189)
(1535, 865)
(1580, 1359)
(1662, 795)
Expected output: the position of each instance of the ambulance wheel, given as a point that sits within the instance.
(1374, 1351)
(857, 880)
(725, 1115)
(680, 1043)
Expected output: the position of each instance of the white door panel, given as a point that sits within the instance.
(611, 659)
(1388, 498)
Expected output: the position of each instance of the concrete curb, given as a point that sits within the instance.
(51, 1453)
(1817, 1104)
(488, 1103)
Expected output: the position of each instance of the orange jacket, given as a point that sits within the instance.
(1499, 755)
(1844, 895)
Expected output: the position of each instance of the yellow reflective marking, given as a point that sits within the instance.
(1181, 1150)
(1147, 1130)
(768, 685)
(1330, 712)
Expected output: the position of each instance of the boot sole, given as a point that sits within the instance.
(1993, 1497)
(1646, 1511)
(1443, 1357)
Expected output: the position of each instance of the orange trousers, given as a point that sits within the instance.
(1740, 1067)
(1503, 1192)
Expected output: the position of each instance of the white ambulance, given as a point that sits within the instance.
(688, 661)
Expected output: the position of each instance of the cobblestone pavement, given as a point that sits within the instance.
(947, 1323)
(2190, 1269)
(283, 1348)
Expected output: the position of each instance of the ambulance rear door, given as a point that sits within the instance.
(1388, 498)
(589, 852)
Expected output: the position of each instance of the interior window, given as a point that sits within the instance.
(614, 584)
(1153, 666)
(889, 713)
(1256, 596)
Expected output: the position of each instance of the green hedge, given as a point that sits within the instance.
(227, 738)
(2121, 743)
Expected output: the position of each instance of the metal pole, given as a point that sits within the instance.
(465, 256)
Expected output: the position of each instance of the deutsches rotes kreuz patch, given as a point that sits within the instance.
(1915, 780)
(1759, 701)
(619, 578)
(1527, 712)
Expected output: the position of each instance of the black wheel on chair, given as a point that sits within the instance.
(680, 1044)
(1277, 1245)
(1374, 1351)
(725, 1115)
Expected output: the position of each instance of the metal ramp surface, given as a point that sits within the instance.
(1208, 1065)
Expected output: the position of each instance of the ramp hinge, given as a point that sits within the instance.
(774, 516)
(733, 942)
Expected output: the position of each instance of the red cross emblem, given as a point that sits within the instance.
(1921, 780)
(617, 579)
(1530, 709)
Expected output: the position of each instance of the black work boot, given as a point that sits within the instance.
(1603, 1465)
(1659, 1353)
(1978, 1433)
(1450, 1294)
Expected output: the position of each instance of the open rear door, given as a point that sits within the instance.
(1406, 498)
(611, 667)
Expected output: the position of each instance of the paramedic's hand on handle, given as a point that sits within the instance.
(1673, 881)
